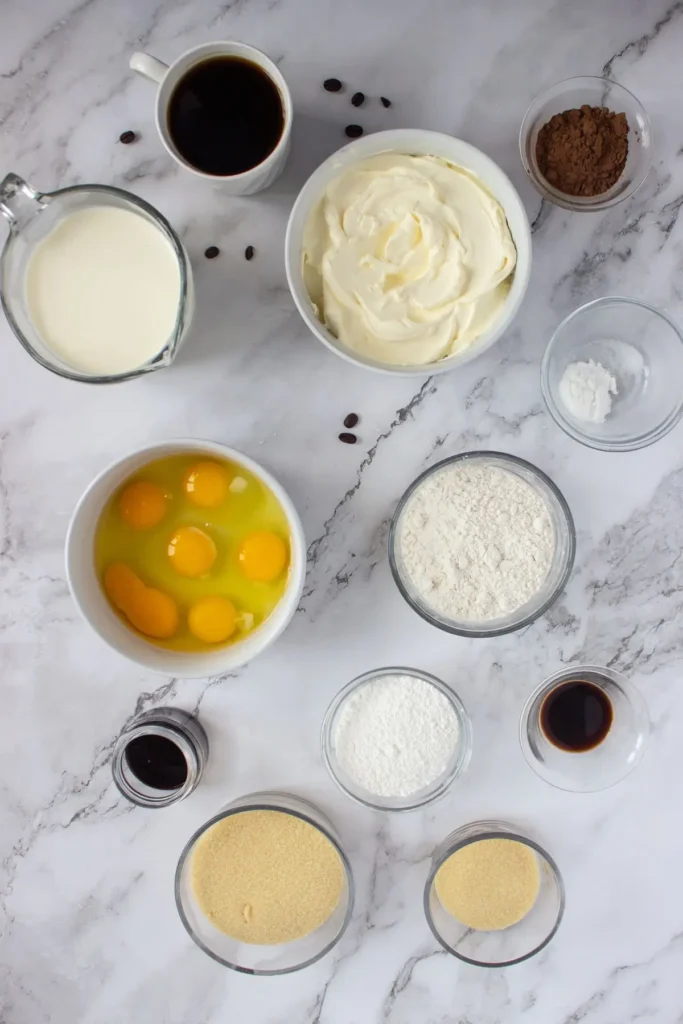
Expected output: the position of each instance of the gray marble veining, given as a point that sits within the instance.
(88, 927)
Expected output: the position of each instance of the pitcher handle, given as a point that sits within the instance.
(149, 67)
(19, 201)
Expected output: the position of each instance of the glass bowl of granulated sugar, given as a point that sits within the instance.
(482, 544)
(396, 738)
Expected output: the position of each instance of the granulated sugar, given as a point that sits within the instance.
(266, 877)
(476, 542)
(490, 884)
(395, 735)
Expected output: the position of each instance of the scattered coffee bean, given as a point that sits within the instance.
(351, 420)
(332, 85)
(384, 101)
(127, 137)
(249, 252)
(354, 131)
(212, 252)
(348, 438)
(358, 99)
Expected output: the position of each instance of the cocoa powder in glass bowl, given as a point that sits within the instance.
(588, 169)
(583, 151)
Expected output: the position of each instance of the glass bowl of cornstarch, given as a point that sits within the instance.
(396, 738)
(482, 544)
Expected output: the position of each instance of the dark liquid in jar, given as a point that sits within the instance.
(225, 116)
(576, 716)
(157, 762)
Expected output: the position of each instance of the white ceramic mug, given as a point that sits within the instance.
(167, 77)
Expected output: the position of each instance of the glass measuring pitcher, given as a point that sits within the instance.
(32, 216)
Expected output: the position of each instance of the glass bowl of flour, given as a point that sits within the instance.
(481, 544)
(612, 374)
(396, 738)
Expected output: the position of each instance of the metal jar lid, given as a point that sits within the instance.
(185, 732)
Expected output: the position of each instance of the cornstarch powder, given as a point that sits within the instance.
(395, 735)
(586, 390)
(476, 541)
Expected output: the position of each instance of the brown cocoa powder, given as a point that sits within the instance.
(582, 152)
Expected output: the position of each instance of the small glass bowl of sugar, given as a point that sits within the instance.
(612, 374)
(395, 739)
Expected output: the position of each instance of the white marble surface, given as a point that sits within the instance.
(89, 930)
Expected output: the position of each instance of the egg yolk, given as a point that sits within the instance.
(212, 620)
(206, 484)
(262, 556)
(150, 610)
(191, 551)
(121, 583)
(142, 505)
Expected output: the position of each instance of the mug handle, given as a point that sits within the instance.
(149, 67)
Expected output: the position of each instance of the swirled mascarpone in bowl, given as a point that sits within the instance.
(407, 259)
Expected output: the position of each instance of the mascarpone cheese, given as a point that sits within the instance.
(407, 259)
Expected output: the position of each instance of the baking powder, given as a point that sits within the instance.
(475, 541)
(586, 390)
(395, 735)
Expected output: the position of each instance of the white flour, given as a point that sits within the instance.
(586, 390)
(476, 542)
(395, 735)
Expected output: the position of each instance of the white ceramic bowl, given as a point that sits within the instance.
(93, 605)
(414, 141)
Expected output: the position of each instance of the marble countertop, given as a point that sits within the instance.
(88, 927)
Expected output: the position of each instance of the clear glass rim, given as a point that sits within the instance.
(161, 358)
(264, 805)
(490, 830)
(442, 785)
(633, 696)
(460, 629)
(169, 797)
(580, 204)
(644, 440)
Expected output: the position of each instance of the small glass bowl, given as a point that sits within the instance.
(253, 959)
(596, 92)
(509, 945)
(456, 766)
(563, 559)
(642, 349)
(606, 764)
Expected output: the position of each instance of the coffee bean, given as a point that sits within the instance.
(358, 99)
(127, 137)
(348, 438)
(384, 101)
(351, 420)
(354, 131)
(212, 252)
(249, 252)
(332, 85)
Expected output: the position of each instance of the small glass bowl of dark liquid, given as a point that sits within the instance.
(584, 728)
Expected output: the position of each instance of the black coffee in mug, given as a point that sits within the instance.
(225, 116)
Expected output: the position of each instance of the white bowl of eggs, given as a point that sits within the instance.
(186, 557)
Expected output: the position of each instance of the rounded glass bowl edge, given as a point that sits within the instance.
(489, 829)
(460, 629)
(584, 204)
(563, 423)
(464, 741)
(634, 697)
(266, 801)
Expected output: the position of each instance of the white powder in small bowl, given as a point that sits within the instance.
(586, 389)
(395, 735)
